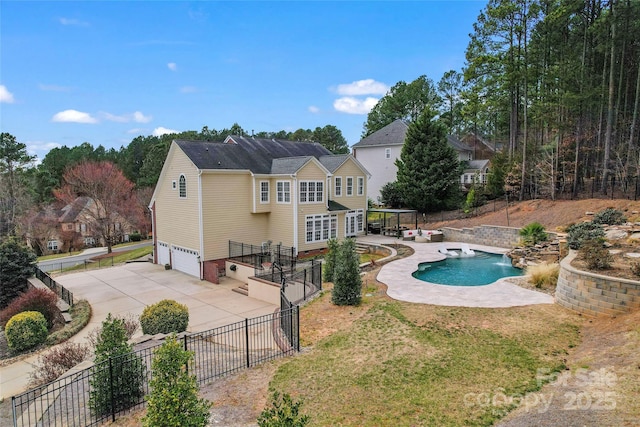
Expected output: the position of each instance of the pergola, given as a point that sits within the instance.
(390, 223)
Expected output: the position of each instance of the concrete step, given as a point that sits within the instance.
(244, 290)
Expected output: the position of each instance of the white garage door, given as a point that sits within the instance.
(163, 253)
(185, 260)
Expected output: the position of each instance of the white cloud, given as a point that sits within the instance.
(351, 105)
(73, 116)
(137, 117)
(159, 131)
(33, 147)
(135, 131)
(313, 109)
(54, 88)
(362, 87)
(5, 95)
(188, 89)
(172, 66)
(74, 22)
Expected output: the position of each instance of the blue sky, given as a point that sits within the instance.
(106, 72)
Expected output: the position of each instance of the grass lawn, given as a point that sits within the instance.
(403, 364)
(368, 257)
(56, 256)
(118, 258)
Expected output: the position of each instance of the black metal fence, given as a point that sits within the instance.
(62, 292)
(264, 256)
(218, 352)
(78, 265)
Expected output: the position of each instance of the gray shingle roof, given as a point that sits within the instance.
(334, 161)
(288, 165)
(457, 144)
(392, 134)
(248, 153)
(475, 165)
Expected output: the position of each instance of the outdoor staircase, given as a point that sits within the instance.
(244, 290)
(362, 248)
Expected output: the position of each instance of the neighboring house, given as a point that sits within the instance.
(475, 172)
(482, 149)
(378, 153)
(56, 230)
(252, 190)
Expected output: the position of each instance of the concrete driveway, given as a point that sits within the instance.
(130, 288)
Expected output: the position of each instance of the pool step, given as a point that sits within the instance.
(362, 248)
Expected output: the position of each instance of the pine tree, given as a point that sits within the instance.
(428, 168)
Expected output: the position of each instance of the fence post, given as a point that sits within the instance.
(297, 328)
(246, 339)
(304, 283)
(186, 365)
(113, 406)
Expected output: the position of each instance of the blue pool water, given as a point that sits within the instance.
(478, 270)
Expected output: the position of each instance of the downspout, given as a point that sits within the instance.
(294, 196)
(201, 225)
(253, 190)
(152, 208)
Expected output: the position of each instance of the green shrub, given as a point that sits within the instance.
(118, 374)
(56, 362)
(577, 233)
(17, 263)
(135, 237)
(347, 283)
(26, 330)
(593, 252)
(533, 233)
(164, 317)
(40, 300)
(174, 401)
(329, 264)
(609, 216)
(129, 323)
(284, 412)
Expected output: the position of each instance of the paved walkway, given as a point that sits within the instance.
(404, 287)
(129, 289)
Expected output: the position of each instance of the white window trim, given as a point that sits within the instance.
(180, 180)
(53, 245)
(318, 196)
(323, 227)
(262, 201)
(283, 193)
(336, 187)
(360, 186)
(349, 188)
(387, 153)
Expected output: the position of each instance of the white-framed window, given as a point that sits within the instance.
(182, 184)
(311, 191)
(320, 228)
(283, 192)
(264, 191)
(360, 220)
(349, 186)
(360, 189)
(387, 153)
(338, 186)
(174, 184)
(52, 245)
(89, 241)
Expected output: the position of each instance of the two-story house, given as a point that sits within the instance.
(378, 153)
(252, 190)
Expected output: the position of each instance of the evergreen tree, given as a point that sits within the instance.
(119, 373)
(174, 401)
(17, 263)
(330, 259)
(347, 284)
(428, 168)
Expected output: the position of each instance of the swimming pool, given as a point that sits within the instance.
(478, 270)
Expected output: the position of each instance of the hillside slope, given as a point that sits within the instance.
(553, 215)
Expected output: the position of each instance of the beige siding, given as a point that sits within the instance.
(177, 218)
(259, 206)
(350, 168)
(281, 218)
(227, 204)
(311, 172)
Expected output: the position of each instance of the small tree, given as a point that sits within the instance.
(347, 284)
(174, 401)
(119, 374)
(17, 263)
(284, 412)
(391, 195)
(330, 259)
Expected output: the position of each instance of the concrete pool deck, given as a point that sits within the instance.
(404, 287)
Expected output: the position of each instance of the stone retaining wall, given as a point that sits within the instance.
(594, 294)
(489, 235)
